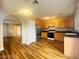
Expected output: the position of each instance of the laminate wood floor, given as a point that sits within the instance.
(44, 49)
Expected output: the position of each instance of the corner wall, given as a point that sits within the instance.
(77, 19)
(28, 32)
(2, 15)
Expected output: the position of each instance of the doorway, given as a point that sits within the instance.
(12, 29)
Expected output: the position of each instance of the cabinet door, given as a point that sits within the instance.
(44, 34)
(59, 36)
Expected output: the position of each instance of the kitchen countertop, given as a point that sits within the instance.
(59, 30)
(67, 33)
(76, 35)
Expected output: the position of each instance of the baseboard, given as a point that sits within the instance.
(1, 49)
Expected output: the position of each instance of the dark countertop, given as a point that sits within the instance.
(76, 35)
(67, 33)
(58, 31)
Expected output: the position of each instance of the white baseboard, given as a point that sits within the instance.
(1, 49)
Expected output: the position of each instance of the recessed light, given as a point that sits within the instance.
(54, 17)
(26, 12)
(45, 18)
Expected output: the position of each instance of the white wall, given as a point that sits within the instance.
(77, 19)
(28, 32)
(2, 15)
(9, 24)
(9, 30)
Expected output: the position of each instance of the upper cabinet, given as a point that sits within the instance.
(60, 23)
(56, 23)
(39, 23)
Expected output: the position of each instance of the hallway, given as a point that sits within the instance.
(39, 50)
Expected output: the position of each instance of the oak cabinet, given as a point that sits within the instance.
(59, 36)
(44, 35)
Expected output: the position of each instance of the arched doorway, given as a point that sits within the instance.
(12, 28)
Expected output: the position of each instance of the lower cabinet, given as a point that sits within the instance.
(59, 36)
(44, 35)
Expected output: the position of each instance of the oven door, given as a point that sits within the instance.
(51, 35)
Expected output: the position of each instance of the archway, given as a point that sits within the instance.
(12, 28)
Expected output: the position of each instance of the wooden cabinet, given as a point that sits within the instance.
(59, 36)
(39, 23)
(44, 35)
(58, 22)
(55, 22)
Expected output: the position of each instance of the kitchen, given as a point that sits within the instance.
(49, 29)
(64, 32)
(61, 25)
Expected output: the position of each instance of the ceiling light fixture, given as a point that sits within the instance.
(35, 2)
(53, 17)
(26, 12)
(46, 18)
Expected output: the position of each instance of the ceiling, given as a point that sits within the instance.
(43, 8)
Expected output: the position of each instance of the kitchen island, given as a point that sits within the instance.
(71, 45)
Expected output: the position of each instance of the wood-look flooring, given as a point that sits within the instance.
(44, 49)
